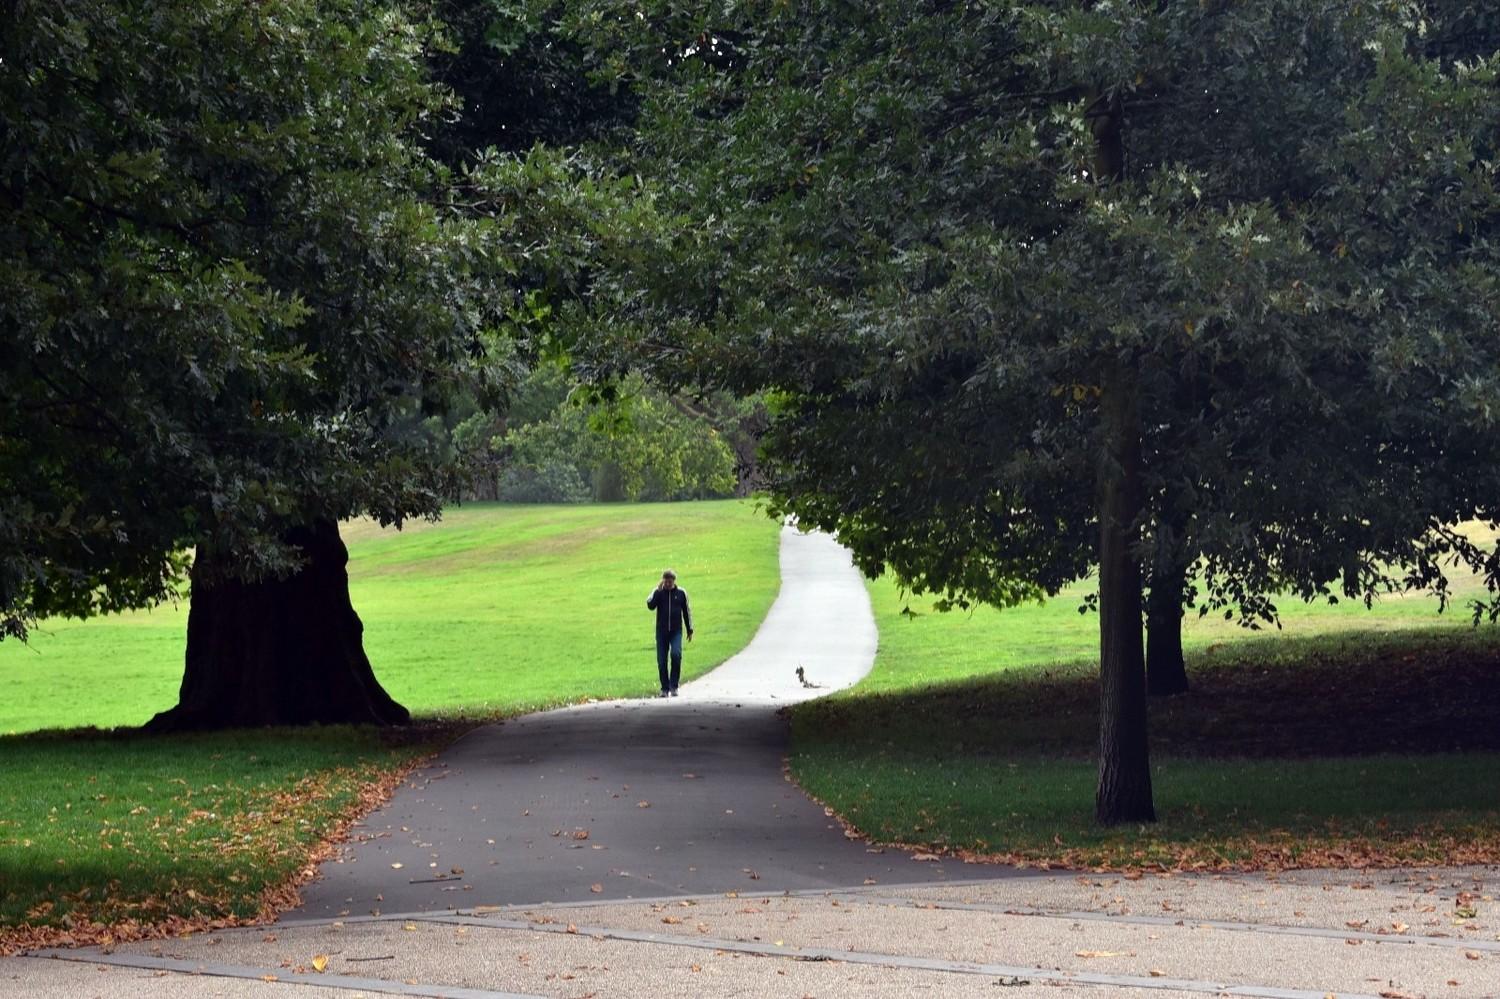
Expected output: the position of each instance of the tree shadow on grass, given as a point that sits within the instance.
(1333, 751)
(1351, 694)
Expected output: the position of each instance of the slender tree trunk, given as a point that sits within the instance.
(1166, 672)
(280, 651)
(1124, 793)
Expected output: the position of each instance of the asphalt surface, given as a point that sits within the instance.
(654, 848)
(637, 798)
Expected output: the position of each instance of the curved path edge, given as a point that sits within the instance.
(629, 799)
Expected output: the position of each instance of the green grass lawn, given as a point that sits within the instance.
(126, 829)
(493, 611)
(1352, 735)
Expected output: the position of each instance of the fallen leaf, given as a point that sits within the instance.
(397, 866)
(320, 962)
(596, 888)
(695, 967)
(925, 856)
(410, 927)
(1101, 953)
(1400, 927)
(1472, 955)
(643, 804)
(580, 834)
(1156, 973)
(671, 920)
(572, 928)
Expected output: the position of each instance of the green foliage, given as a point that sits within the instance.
(234, 285)
(637, 444)
(519, 84)
(945, 234)
(496, 609)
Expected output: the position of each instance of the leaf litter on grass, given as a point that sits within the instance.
(283, 833)
(1333, 752)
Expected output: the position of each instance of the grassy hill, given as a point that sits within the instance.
(495, 608)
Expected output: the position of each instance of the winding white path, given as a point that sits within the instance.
(821, 621)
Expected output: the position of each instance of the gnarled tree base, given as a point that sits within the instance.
(280, 651)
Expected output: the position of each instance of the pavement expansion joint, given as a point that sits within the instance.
(907, 962)
(1331, 933)
(277, 975)
(497, 919)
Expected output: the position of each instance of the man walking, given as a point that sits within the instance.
(672, 617)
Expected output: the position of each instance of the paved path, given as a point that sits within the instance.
(637, 798)
(653, 848)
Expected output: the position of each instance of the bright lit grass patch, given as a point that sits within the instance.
(496, 609)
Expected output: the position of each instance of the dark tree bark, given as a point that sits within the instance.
(1124, 793)
(279, 651)
(1166, 672)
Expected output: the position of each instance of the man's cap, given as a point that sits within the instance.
(669, 574)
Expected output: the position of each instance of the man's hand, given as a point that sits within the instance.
(690, 634)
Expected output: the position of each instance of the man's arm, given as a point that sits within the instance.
(687, 615)
(651, 600)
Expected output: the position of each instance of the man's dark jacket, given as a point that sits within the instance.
(672, 611)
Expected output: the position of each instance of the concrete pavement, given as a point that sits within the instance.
(1307, 935)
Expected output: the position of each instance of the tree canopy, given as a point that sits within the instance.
(1044, 286)
(231, 269)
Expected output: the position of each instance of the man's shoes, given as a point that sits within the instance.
(664, 694)
(674, 691)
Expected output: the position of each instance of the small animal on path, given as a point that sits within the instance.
(802, 677)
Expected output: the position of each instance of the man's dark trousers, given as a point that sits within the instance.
(669, 644)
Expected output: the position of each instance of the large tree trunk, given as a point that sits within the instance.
(280, 651)
(1166, 672)
(1124, 793)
